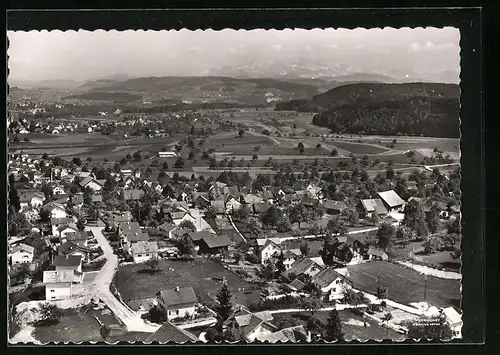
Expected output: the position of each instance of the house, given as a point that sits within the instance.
(219, 206)
(178, 302)
(137, 173)
(167, 228)
(250, 199)
(291, 256)
(58, 284)
(369, 207)
(56, 210)
(80, 237)
(73, 249)
(130, 233)
(168, 332)
(126, 172)
(232, 204)
(213, 243)
(32, 199)
(77, 201)
(91, 183)
(268, 249)
(297, 285)
(392, 201)
(200, 200)
(309, 201)
(331, 283)
(267, 196)
(65, 229)
(333, 207)
(132, 195)
(57, 222)
(304, 266)
(260, 207)
(70, 262)
(454, 320)
(252, 325)
(96, 198)
(58, 190)
(143, 251)
(292, 334)
(376, 254)
(22, 253)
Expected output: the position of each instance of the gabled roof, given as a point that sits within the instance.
(71, 260)
(261, 207)
(264, 241)
(334, 205)
(54, 276)
(171, 333)
(326, 276)
(84, 182)
(132, 195)
(69, 248)
(178, 297)
(217, 241)
(142, 247)
(297, 285)
(22, 248)
(67, 226)
(301, 266)
(374, 205)
(28, 195)
(197, 236)
(78, 236)
(167, 227)
(391, 198)
(376, 252)
(250, 198)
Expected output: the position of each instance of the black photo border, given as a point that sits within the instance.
(468, 20)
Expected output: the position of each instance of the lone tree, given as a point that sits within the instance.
(241, 132)
(301, 147)
(224, 306)
(333, 327)
(311, 304)
(153, 264)
(305, 249)
(179, 163)
(49, 312)
(385, 235)
(186, 246)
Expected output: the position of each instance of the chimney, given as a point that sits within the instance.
(176, 288)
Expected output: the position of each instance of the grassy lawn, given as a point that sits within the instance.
(358, 148)
(405, 285)
(351, 331)
(440, 260)
(315, 245)
(132, 283)
(75, 325)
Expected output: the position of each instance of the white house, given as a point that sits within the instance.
(143, 251)
(232, 204)
(64, 229)
(92, 183)
(253, 325)
(291, 256)
(32, 199)
(58, 190)
(177, 303)
(22, 253)
(58, 222)
(58, 284)
(331, 283)
(454, 320)
(57, 211)
(70, 262)
(268, 249)
(392, 201)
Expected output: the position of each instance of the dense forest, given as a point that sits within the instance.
(374, 108)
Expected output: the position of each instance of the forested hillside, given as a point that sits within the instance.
(427, 109)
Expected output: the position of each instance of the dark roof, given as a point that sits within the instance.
(96, 198)
(301, 266)
(57, 221)
(27, 195)
(376, 252)
(133, 231)
(334, 205)
(297, 285)
(167, 227)
(180, 296)
(80, 235)
(196, 236)
(66, 226)
(261, 207)
(71, 260)
(70, 247)
(84, 182)
(326, 277)
(170, 333)
(217, 241)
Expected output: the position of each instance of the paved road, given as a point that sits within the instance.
(131, 319)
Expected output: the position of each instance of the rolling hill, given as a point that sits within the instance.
(200, 89)
(428, 109)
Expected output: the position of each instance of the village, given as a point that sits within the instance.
(232, 257)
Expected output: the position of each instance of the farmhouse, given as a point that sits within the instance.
(57, 222)
(291, 256)
(331, 283)
(168, 332)
(267, 249)
(369, 207)
(65, 229)
(391, 200)
(213, 243)
(260, 207)
(58, 284)
(219, 206)
(130, 233)
(200, 200)
(22, 253)
(132, 195)
(333, 207)
(91, 183)
(177, 303)
(253, 325)
(143, 251)
(232, 204)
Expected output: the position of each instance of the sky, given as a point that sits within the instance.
(87, 55)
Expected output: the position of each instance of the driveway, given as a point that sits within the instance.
(132, 320)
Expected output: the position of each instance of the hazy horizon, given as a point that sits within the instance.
(85, 55)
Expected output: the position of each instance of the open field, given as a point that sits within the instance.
(351, 331)
(359, 148)
(132, 283)
(405, 285)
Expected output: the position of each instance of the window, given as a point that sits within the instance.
(147, 254)
(169, 313)
(334, 289)
(177, 312)
(52, 290)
